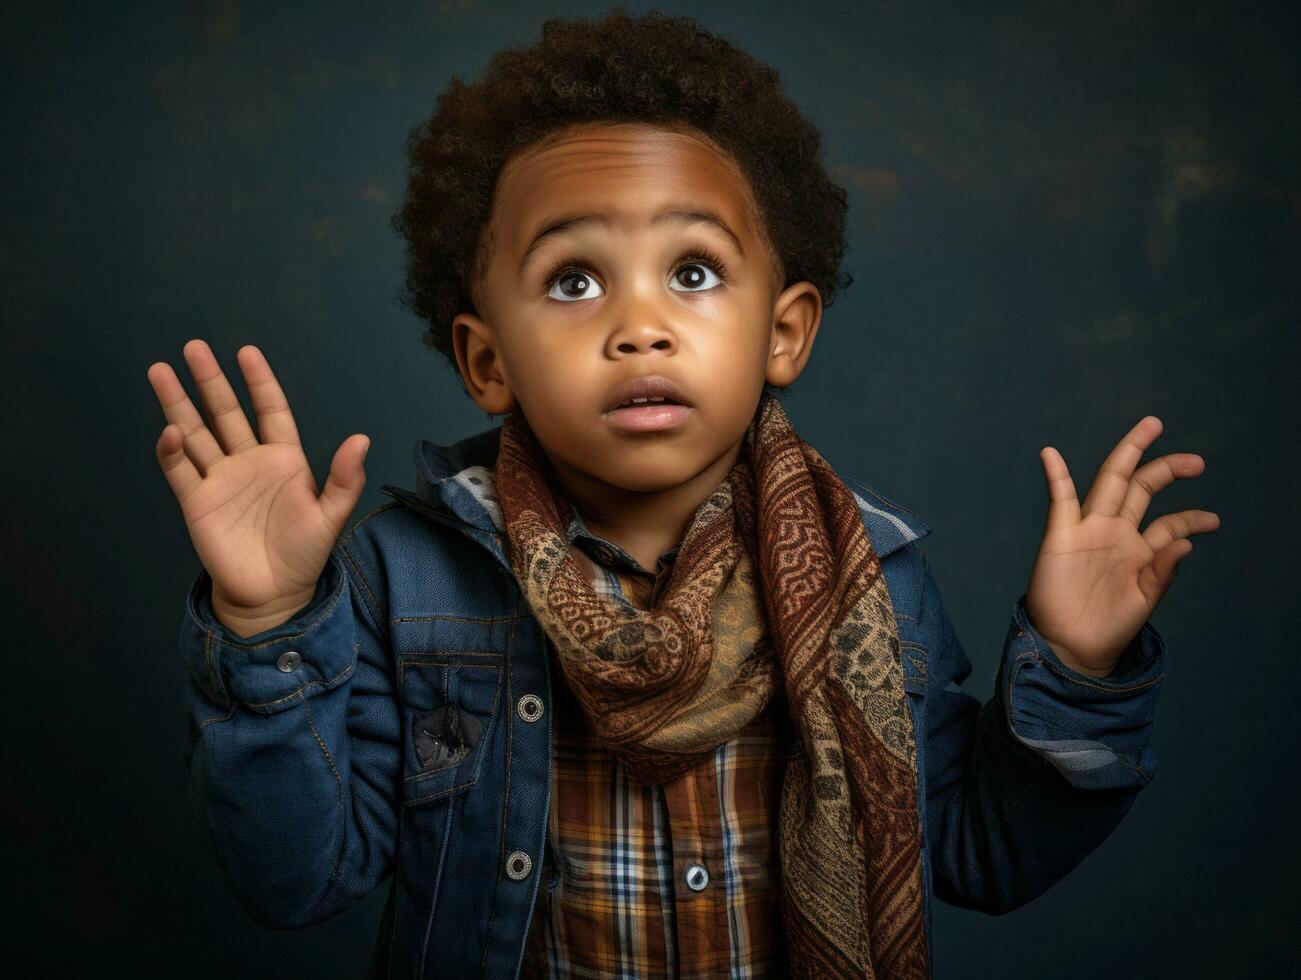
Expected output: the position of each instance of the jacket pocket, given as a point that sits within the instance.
(449, 714)
(915, 673)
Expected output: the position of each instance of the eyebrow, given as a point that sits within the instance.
(675, 215)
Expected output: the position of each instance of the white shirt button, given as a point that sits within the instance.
(289, 661)
(697, 877)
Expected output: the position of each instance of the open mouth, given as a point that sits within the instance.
(648, 414)
(632, 402)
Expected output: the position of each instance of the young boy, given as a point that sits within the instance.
(635, 684)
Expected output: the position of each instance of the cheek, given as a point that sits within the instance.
(558, 395)
(533, 369)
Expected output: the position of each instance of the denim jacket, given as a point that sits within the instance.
(398, 727)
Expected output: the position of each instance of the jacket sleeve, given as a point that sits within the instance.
(1022, 788)
(293, 750)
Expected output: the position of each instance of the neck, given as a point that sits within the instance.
(643, 523)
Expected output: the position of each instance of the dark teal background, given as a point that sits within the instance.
(1063, 217)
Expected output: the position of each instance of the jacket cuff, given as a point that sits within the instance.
(273, 670)
(1096, 731)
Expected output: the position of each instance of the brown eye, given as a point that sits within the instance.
(695, 277)
(574, 286)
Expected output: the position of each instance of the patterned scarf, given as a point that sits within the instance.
(775, 583)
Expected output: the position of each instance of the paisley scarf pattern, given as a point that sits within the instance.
(776, 591)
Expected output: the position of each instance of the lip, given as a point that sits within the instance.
(648, 418)
(647, 386)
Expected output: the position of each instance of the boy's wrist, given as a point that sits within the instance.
(245, 622)
(1073, 662)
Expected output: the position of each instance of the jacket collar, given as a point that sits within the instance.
(454, 486)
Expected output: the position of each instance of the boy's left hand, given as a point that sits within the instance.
(1096, 579)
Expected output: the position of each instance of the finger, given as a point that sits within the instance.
(1155, 476)
(177, 467)
(1154, 579)
(275, 422)
(199, 444)
(1063, 504)
(1169, 527)
(346, 480)
(226, 415)
(1112, 482)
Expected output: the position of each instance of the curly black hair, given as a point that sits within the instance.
(654, 68)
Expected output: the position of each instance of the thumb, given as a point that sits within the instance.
(1156, 578)
(346, 481)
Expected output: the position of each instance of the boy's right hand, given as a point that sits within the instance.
(252, 508)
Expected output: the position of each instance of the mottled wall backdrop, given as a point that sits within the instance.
(1064, 216)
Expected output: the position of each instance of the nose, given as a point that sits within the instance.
(641, 326)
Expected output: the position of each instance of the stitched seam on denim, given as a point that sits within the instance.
(343, 816)
(921, 570)
(548, 841)
(1009, 699)
(1034, 654)
(1116, 689)
(266, 704)
(505, 802)
(433, 658)
(226, 717)
(352, 531)
(207, 659)
(372, 515)
(453, 619)
(416, 801)
(899, 528)
(369, 603)
(917, 654)
(401, 694)
(400, 908)
(435, 891)
(888, 502)
(492, 722)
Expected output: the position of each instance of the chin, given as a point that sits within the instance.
(647, 474)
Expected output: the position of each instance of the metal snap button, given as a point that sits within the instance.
(289, 661)
(518, 865)
(697, 877)
(529, 707)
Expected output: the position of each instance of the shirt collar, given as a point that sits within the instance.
(610, 554)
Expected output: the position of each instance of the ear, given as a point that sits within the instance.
(796, 314)
(481, 366)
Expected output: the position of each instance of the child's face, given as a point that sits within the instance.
(631, 296)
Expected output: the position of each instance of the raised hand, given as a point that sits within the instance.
(252, 507)
(1097, 579)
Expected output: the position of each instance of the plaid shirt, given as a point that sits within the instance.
(673, 880)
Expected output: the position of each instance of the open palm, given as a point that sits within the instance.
(251, 507)
(1097, 578)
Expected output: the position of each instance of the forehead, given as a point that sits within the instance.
(627, 171)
